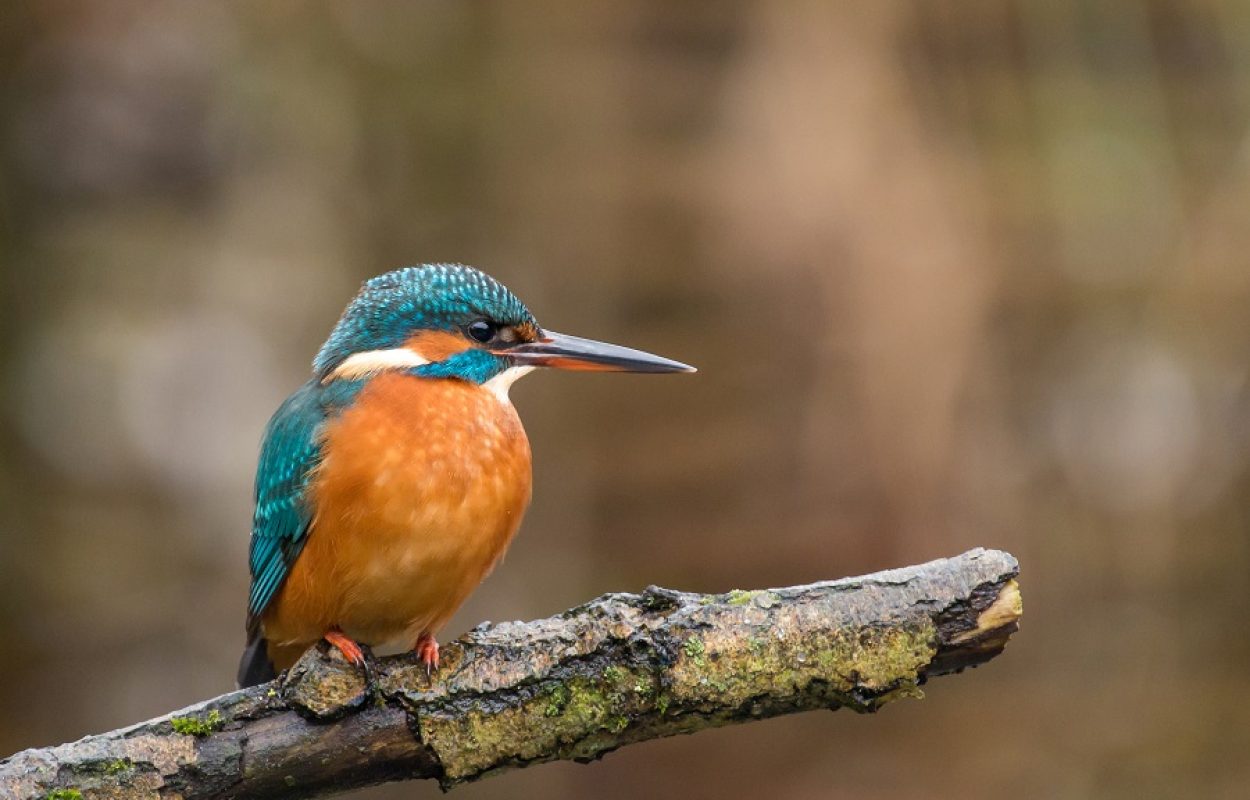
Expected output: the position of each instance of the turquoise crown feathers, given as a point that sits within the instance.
(391, 307)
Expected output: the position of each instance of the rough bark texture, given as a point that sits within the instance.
(620, 669)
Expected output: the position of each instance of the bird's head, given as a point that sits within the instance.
(453, 321)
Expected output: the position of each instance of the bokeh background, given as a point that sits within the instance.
(955, 274)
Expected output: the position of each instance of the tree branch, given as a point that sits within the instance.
(620, 669)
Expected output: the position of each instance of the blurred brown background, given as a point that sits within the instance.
(955, 274)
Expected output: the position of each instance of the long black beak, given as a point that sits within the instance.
(562, 351)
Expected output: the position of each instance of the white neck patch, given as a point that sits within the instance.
(501, 383)
(360, 365)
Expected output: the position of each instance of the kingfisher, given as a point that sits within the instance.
(391, 483)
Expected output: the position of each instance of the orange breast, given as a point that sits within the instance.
(422, 486)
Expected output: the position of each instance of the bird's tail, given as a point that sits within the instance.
(255, 667)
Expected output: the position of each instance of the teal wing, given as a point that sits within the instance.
(292, 449)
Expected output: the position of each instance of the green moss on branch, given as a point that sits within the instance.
(618, 670)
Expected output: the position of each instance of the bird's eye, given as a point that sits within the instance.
(481, 331)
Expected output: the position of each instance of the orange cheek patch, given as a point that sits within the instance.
(527, 332)
(436, 345)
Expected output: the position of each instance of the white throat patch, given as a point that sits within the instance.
(501, 383)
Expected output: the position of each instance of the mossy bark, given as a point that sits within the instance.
(621, 669)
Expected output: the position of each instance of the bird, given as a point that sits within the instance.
(391, 483)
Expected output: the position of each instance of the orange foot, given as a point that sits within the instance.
(350, 650)
(427, 650)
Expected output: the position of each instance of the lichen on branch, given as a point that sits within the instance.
(623, 668)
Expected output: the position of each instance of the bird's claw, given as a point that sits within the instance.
(356, 654)
(350, 649)
(427, 650)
